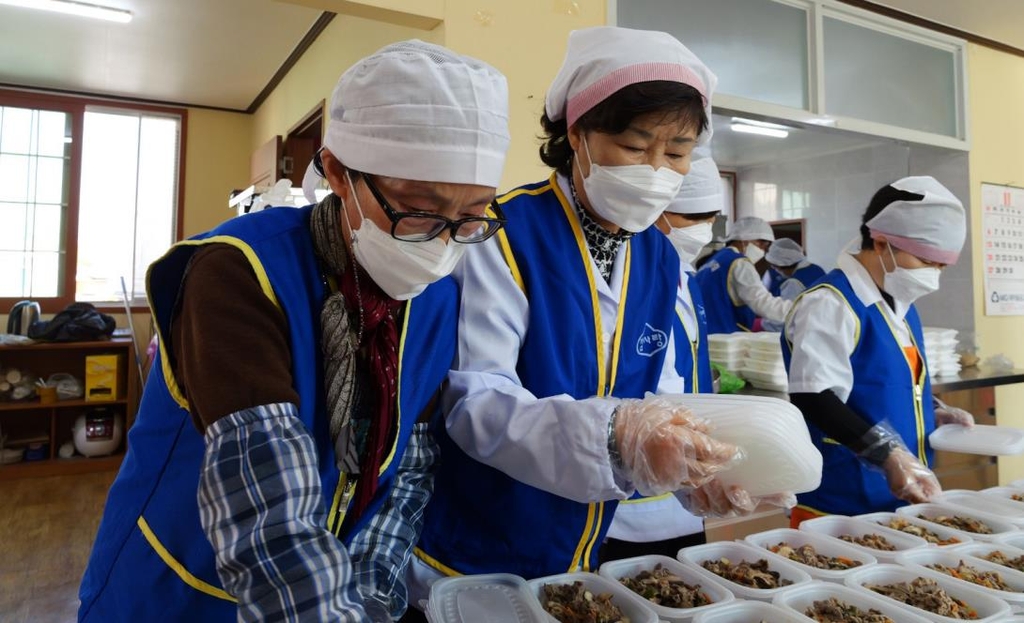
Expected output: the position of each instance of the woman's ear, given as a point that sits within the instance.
(335, 173)
(575, 136)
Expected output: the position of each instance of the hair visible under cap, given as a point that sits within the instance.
(881, 200)
(677, 101)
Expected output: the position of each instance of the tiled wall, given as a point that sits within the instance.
(831, 192)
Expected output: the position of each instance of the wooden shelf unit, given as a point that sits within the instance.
(34, 420)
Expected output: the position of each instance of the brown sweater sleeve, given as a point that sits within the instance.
(230, 342)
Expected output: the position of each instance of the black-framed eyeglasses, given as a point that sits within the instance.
(421, 226)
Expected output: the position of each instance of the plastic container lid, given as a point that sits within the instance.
(748, 612)
(800, 598)
(954, 537)
(1005, 493)
(921, 558)
(632, 605)
(989, 608)
(997, 524)
(1004, 507)
(738, 552)
(836, 526)
(497, 597)
(630, 567)
(821, 543)
(1013, 539)
(978, 439)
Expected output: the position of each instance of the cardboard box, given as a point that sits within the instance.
(103, 377)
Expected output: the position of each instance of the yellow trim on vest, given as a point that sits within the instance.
(512, 194)
(643, 500)
(856, 331)
(398, 389)
(693, 350)
(917, 383)
(581, 546)
(261, 277)
(513, 266)
(177, 567)
(585, 563)
(811, 509)
(620, 317)
(332, 522)
(830, 440)
(434, 563)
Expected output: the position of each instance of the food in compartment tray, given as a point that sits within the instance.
(752, 574)
(872, 540)
(807, 555)
(967, 524)
(1001, 558)
(901, 524)
(1017, 497)
(926, 594)
(662, 587)
(574, 603)
(832, 610)
(964, 571)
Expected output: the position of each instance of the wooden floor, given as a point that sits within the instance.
(47, 526)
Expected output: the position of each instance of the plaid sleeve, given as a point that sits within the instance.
(381, 551)
(261, 507)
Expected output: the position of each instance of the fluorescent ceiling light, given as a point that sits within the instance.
(70, 7)
(760, 124)
(757, 129)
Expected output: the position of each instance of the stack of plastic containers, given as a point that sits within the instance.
(940, 348)
(728, 350)
(617, 570)
(498, 597)
(764, 367)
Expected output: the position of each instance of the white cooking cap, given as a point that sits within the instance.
(701, 190)
(600, 61)
(417, 111)
(932, 228)
(785, 252)
(751, 228)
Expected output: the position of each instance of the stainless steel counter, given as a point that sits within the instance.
(971, 378)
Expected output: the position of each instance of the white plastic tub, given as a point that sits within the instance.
(497, 597)
(932, 555)
(631, 605)
(980, 549)
(738, 552)
(749, 612)
(799, 599)
(822, 544)
(998, 525)
(946, 535)
(1004, 493)
(1001, 506)
(630, 567)
(989, 608)
(1014, 539)
(839, 525)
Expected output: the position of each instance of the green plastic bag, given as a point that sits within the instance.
(728, 383)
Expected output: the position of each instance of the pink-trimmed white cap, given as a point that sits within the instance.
(932, 228)
(600, 61)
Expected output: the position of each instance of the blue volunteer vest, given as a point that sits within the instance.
(807, 276)
(693, 362)
(724, 314)
(775, 281)
(151, 560)
(481, 521)
(883, 389)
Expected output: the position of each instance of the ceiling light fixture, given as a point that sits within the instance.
(759, 130)
(71, 7)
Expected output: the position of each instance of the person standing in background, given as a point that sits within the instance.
(789, 273)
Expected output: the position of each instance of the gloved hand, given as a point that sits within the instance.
(946, 414)
(908, 479)
(715, 500)
(664, 447)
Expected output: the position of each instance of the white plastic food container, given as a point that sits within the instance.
(980, 549)
(920, 559)
(944, 533)
(498, 597)
(801, 598)
(630, 567)
(749, 612)
(989, 608)
(839, 525)
(998, 525)
(738, 552)
(631, 605)
(1005, 493)
(978, 439)
(1003, 507)
(1013, 539)
(822, 544)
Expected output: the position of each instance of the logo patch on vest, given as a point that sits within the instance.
(652, 341)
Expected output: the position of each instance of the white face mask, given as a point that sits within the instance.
(402, 269)
(688, 241)
(753, 252)
(906, 285)
(631, 196)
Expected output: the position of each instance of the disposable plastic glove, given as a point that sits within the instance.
(908, 479)
(946, 414)
(715, 500)
(664, 447)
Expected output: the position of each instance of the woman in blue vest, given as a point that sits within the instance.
(298, 349)
(855, 355)
(734, 297)
(567, 322)
(789, 270)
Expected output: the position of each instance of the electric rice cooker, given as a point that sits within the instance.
(98, 432)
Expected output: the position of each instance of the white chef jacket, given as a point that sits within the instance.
(745, 285)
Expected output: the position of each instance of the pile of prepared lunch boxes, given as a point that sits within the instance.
(961, 558)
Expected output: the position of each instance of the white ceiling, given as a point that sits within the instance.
(999, 20)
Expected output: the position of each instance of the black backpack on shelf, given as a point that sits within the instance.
(78, 322)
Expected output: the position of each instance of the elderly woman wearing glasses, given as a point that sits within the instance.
(299, 349)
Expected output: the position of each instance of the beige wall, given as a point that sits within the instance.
(217, 152)
(996, 83)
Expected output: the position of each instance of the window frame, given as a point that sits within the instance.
(76, 107)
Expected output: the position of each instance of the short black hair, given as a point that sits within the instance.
(885, 195)
(677, 101)
(700, 216)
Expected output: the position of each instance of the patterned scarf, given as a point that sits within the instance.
(359, 325)
(603, 244)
